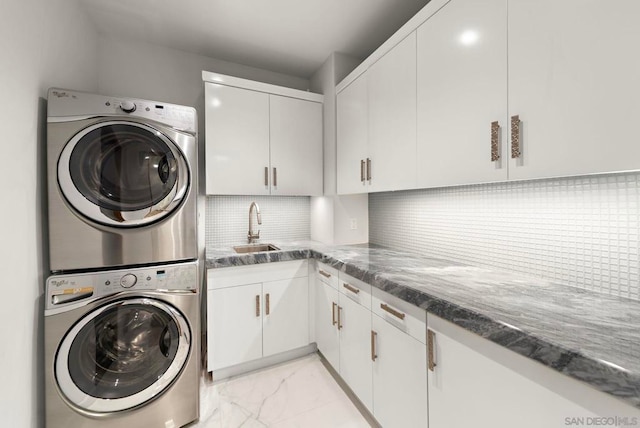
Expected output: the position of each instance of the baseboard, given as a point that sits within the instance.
(227, 372)
(352, 396)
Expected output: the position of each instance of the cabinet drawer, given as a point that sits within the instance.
(327, 274)
(405, 316)
(252, 274)
(356, 290)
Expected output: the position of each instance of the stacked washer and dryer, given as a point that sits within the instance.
(122, 304)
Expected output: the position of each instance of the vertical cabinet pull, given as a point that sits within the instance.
(275, 177)
(333, 313)
(362, 170)
(258, 305)
(339, 322)
(515, 137)
(495, 133)
(266, 176)
(373, 345)
(369, 170)
(431, 336)
(267, 309)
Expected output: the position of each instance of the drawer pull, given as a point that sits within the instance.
(339, 322)
(266, 301)
(323, 273)
(431, 336)
(351, 288)
(392, 311)
(495, 133)
(373, 345)
(333, 313)
(258, 305)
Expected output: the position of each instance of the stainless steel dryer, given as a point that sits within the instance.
(121, 181)
(121, 348)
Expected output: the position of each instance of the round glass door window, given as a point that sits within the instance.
(122, 173)
(122, 355)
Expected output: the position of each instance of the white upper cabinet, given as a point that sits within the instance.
(573, 82)
(376, 121)
(261, 139)
(237, 140)
(296, 146)
(504, 90)
(352, 136)
(462, 91)
(391, 85)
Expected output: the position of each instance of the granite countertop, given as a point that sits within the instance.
(591, 337)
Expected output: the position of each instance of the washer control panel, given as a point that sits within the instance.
(66, 289)
(66, 103)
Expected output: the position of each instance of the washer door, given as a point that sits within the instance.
(122, 173)
(122, 355)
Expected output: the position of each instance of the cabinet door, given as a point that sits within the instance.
(237, 140)
(392, 118)
(238, 338)
(296, 146)
(327, 336)
(352, 136)
(355, 349)
(469, 389)
(285, 319)
(399, 378)
(573, 81)
(462, 89)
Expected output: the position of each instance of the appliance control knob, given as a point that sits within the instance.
(128, 106)
(128, 281)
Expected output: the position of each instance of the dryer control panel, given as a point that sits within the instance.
(65, 289)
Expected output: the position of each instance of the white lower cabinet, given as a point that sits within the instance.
(285, 320)
(399, 377)
(248, 320)
(327, 335)
(234, 309)
(377, 356)
(477, 383)
(355, 348)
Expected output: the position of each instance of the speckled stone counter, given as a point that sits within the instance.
(590, 337)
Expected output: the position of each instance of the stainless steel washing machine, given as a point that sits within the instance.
(121, 348)
(121, 181)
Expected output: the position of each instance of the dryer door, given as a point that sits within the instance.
(122, 355)
(123, 173)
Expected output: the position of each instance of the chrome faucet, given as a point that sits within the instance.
(252, 237)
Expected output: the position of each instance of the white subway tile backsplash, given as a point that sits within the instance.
(283, 218)
(583, 231)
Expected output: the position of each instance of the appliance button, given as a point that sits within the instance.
(148, 278)
(128, 281)
(128, 106)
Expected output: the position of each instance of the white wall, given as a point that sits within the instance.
(43, 44)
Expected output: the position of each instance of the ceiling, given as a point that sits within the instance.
(287, 36)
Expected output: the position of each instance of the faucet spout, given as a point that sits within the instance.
(251, 236)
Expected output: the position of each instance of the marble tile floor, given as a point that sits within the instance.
(297, 394)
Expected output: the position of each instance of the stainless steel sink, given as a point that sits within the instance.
(255, 248)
